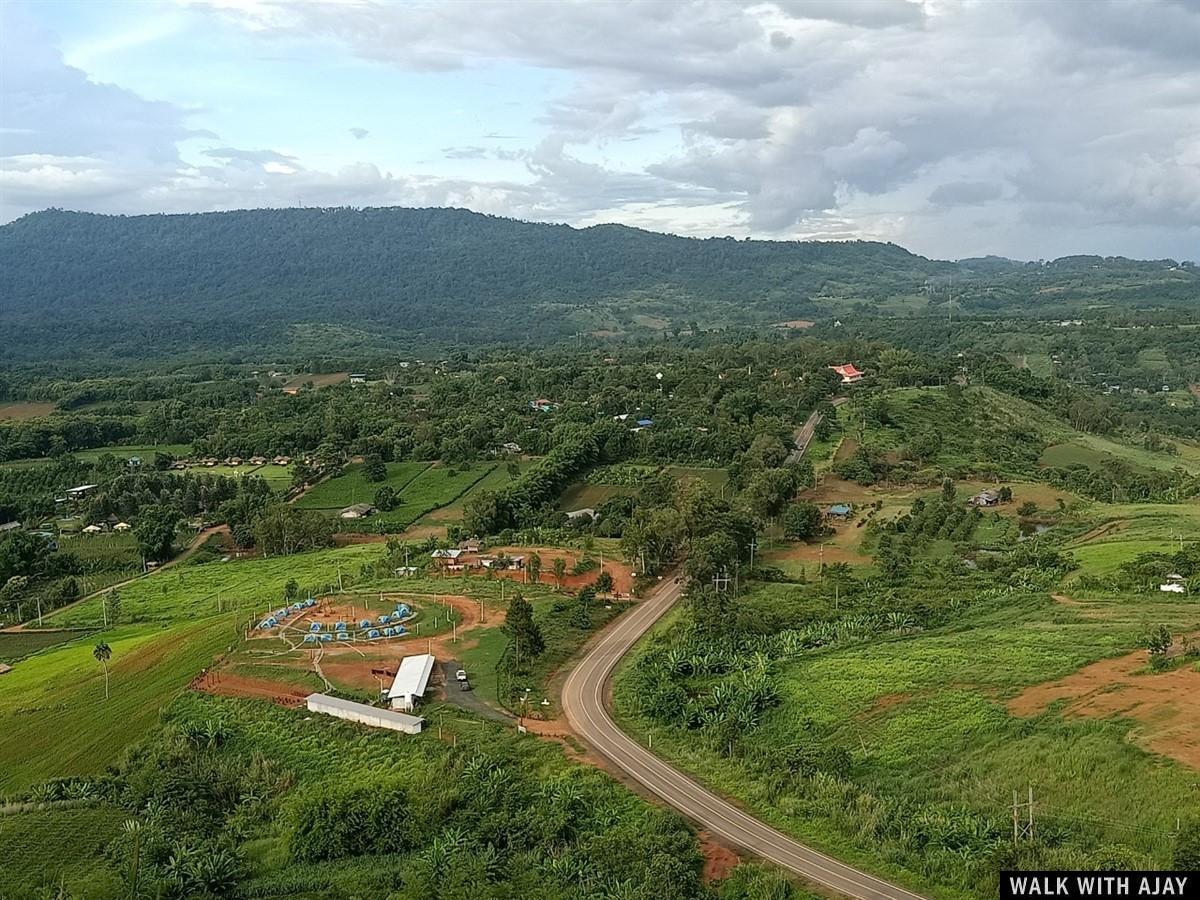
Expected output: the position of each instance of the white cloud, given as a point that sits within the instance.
(957, 126)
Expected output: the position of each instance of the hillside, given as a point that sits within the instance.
(320, 280)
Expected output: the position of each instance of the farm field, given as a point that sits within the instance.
(124, 451)
(494, 480)
(66, 727)
(433, 487)
(1124, 530)
(325, 379)
(61, 848)
(17, 644)
(351, 487)
(19, 412)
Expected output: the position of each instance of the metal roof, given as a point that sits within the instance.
(323, 702)
(412, 677)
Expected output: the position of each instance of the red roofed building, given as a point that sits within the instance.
(849, 373)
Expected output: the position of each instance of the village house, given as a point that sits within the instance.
(985, 498)
(470, 545)
(577, 514)
(258, 460)
(839, 511)
(357, 511)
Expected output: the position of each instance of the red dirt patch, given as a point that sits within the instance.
(227, 685)
(794, 323)
(719, 860)
(1166, 705)
(21, 411)
(1101, 531)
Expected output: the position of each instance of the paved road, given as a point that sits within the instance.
(583, 700)
(804, 434)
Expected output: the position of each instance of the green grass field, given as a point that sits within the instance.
(125, 451)
(187, 593)
(494, 480)
(54, 719)
(351, 487)
(42, 850)
(15, 645)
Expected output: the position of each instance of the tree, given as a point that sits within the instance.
(387, 498)
(604, 582)
(534, 568)
(103, 654)
(709, 556)
(802, 521)
(155, 531)
(1157, 639)
(522, 630)
(282, 529)
(374, 469)
(1006, 494)
(1187, 847)
(1028, 508)
(303, 474)
(112, 607)
(291, 590)
(559, 567)
(948, 490)
(583, 607)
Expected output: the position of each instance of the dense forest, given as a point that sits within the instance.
(354, 282)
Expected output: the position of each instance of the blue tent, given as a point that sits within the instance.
(310, 602)
(327, 637)
(373, 633)
(315, 626)
(365, 623)
(311, 638)
(402, 611)
(340, 626)
(265, 623)
(400, 629)
(389, 631)
(384, 619)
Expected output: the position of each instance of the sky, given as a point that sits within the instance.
(954, 128)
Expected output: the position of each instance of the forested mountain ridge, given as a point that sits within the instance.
(80, 285)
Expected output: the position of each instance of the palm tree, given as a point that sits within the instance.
(103, 654)
(560, 569)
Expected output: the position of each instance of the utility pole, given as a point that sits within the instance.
(753, 547)
(1022, 829)
(721, 580)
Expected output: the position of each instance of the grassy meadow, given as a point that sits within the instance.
(54, 719)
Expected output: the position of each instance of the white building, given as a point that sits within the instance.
(367, 715)
(1173, 585)
(412, 678)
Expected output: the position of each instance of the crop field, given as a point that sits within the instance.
(494, 480)
(54, 719)
(20, 412)
(434, 487)
(321, 380)
(56, 848)
(351, 487)
(15, 645)
(125, 451)
(1124, 530)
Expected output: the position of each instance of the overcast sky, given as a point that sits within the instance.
(1031, 129)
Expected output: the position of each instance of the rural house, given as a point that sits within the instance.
(839, 511)
(357, 511)
(985, 498)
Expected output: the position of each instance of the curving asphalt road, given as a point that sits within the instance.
(583, 700)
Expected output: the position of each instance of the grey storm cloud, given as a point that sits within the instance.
(958, 127)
